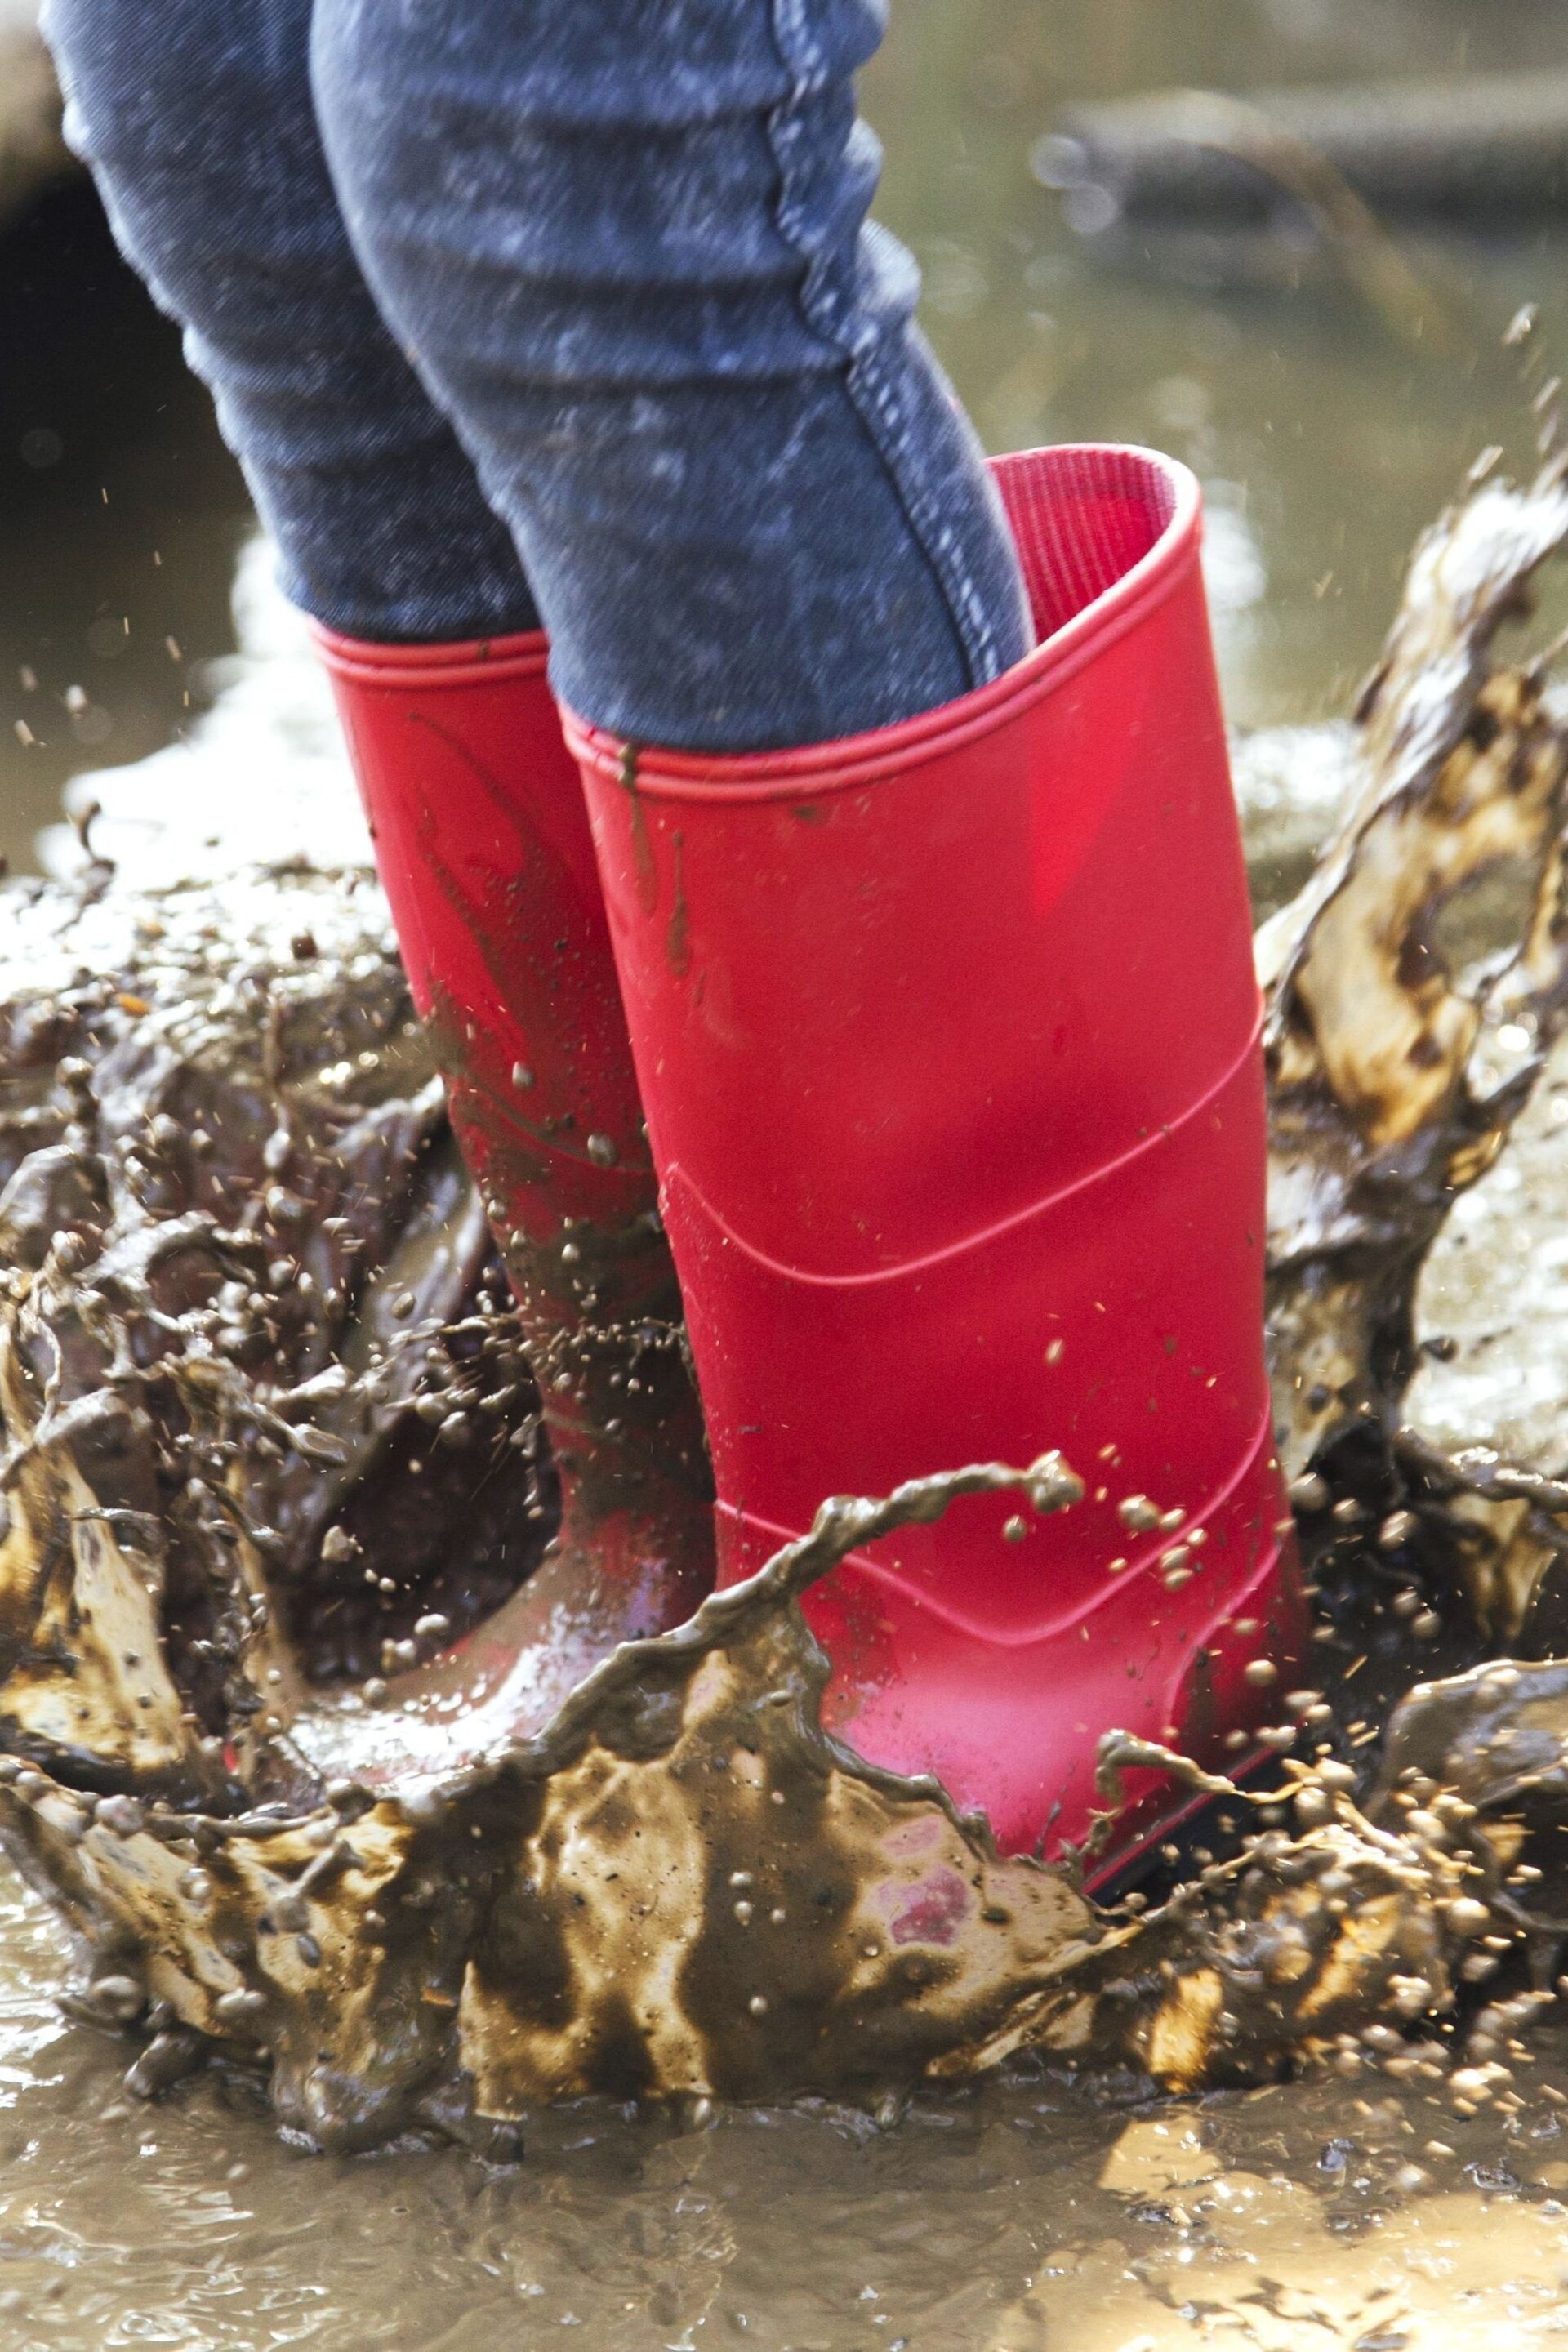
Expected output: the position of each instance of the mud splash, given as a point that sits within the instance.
(1393, 1083)
(271, 1448)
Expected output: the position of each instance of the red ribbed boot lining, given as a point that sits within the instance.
(1081, 519)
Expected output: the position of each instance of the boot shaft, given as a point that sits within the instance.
(948, 1038)
(483, 848)
(964, 1014)
(974, 959)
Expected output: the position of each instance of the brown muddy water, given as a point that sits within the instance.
(996, 2219)
(1405, 2184)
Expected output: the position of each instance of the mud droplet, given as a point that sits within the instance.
(241, 2007)
(120, 1998)
(167, 2060)
(124, 1815)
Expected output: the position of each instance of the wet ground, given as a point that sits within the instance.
(1030, 2215)
(1028, 2218)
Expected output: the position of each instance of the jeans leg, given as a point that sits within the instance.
(625, 244)
(196, 119)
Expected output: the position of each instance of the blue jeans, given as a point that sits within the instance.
(564, 310)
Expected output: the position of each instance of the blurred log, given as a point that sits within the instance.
(1476, 146)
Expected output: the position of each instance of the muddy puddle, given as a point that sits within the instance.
(392, 2019)
(995, 2219)
(448, 2014)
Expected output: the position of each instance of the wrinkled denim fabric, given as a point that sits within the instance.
(198, 121)
(622, 245)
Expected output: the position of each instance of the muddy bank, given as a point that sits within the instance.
(32, 153)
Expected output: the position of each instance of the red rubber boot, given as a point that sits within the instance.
(948, 1037)
(483, 847)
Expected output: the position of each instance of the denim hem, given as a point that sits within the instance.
(412, 620)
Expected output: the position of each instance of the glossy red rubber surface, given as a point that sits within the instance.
(483, 848)
(948, 1040)
(482, 843)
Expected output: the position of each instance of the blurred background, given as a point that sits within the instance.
(1281, 238)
